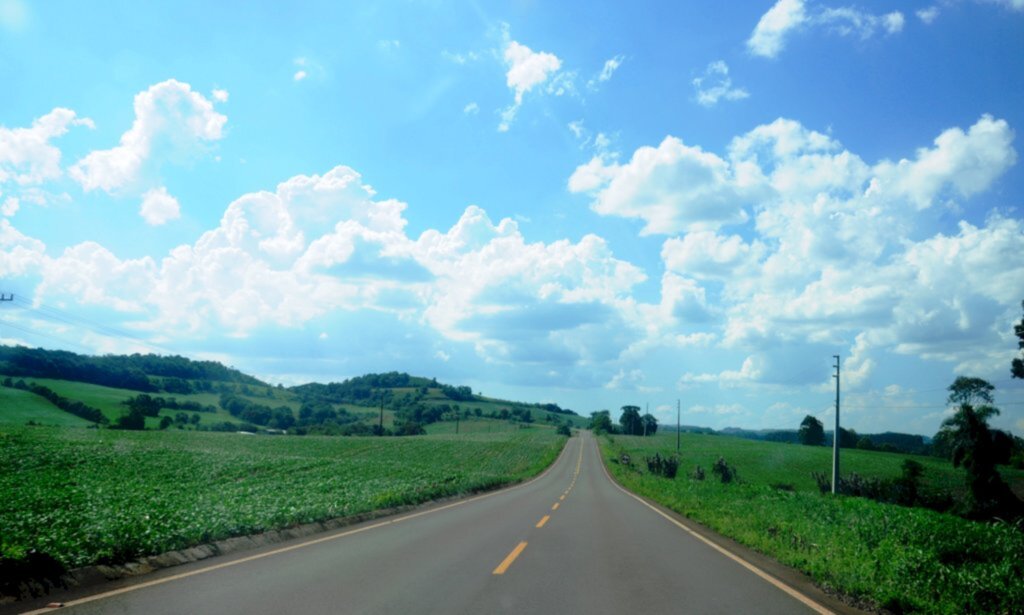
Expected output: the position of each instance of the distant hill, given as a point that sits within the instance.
(138, 372)
(177, 392)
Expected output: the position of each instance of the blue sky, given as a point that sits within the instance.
(595, 204)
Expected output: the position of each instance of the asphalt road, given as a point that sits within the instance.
(570, 541)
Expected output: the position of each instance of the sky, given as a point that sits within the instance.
(593, 204)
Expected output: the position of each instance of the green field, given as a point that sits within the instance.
(86, 496)
(902, 559)
(20, 407)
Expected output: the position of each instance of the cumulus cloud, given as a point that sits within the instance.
(471, 109)
(671, 187)
(928, 15)
(172, 123)
(715, 85)
(27, 157)
(159, 207)
(220, 95)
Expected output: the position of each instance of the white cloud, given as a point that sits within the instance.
(10, 206)
(672, 187)
(928, 15)
(26, 155)
(159, 207)
(787, 16)
(849, 21)
(610, 66)
(471, 109)
(389, 44)
(527, 69)
(718, 87)
(220, 95)
(299, 75)
(172, 123)
(19, 254)
(769, 36)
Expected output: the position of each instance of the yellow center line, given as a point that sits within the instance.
(543, 520)
(555, 507)
(561, 497)
(503, 566)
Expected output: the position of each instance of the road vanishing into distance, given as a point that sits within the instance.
(570, 541)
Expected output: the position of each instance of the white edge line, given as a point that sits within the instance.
(739, 560)
(315, 541)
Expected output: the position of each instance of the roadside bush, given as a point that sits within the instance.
(663, 466)
(698, 474)
(725, 472)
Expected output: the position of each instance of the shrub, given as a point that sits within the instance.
(698, 474)
(663, 466)
(725, 472)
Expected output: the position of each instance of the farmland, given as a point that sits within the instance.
(93, 496)
(902, 559)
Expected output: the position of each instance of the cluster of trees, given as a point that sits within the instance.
(457, 393)
(120, 371)
(631, 422)
(76, 408)
(151, 406)
(361, 390)
(280, 417)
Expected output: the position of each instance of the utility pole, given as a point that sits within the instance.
(5, 298)
(380, 427)
(835, 435)
(679, 412)
(647, 411)
(457, 422)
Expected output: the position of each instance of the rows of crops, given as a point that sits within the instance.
(91, 496)
(902, 559)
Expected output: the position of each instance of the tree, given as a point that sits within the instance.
(970, 391)
(648, 425)
(847, 438)
(133, 419)
(630, 421)
(1017, 366)
(601, 422)
(812, 432)
(972, 448)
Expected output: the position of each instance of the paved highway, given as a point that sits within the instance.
(570, 541)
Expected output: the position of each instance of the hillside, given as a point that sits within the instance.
(151, 392)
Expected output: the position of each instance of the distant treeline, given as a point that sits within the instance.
(119, 371)
(360, 390)
(888, 441)
(76, 408)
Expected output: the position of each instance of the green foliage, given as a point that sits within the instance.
(663, 466)
(139, 493)
(630, 421)
(972, 446)
(908, 559)
(601, 422)
(563, 430)
(812, 432)
(1017, 365)
(725, 472)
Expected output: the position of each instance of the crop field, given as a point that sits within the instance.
(902, 559)
(93, 496)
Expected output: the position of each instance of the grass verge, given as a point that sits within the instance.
(901, 559)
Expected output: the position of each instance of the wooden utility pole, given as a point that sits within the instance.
(679, 412)
(835, 435)
(380, 427)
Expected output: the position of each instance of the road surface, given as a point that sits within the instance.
(570, 541)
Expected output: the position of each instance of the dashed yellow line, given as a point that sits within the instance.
(543, 520)
(503, 566)
(555, 507)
